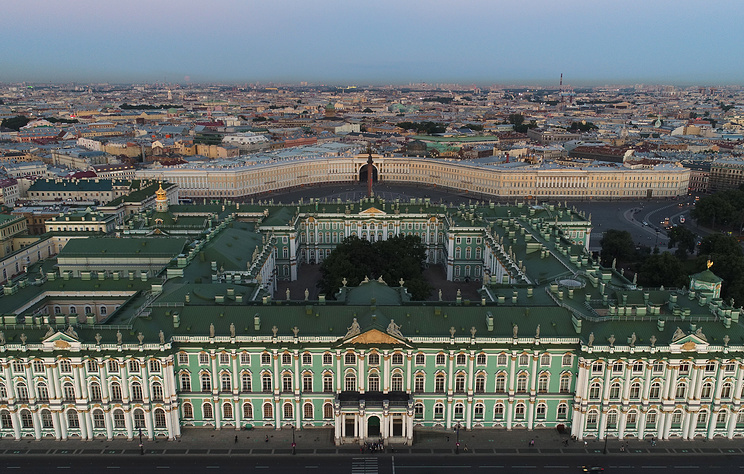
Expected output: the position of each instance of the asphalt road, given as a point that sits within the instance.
(372, 464)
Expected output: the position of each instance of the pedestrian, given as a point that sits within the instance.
(236, 439)
(267, 438)
(585, 443)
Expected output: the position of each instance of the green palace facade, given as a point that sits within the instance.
(177, 321)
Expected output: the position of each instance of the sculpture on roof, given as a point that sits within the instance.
(380, 280)
(366, 279)
(232, 330)
(678, 334)
(652, 340)
(23, 338)
(632, 339)
(161, 336)
(459, 293)
(473, 331)
(726, 340)
(140, 337)
(287, 293)
(71, 332)
(50, 331)
(611, 340)
(709, 264)
(452, 331)
(591, 339)
(274, 330)
(699, 333)
(295, 331)
(98, 338)
(307, 294)
(537, 332)
(118, 337)
(440, 294)
(211, 329)
(515, 330)
(353, 330)
(344, 281)
(393, 329)
(402, 281)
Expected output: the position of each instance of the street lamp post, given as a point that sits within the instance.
(457, 441)
(142, 447)
(605, 446)
(294, 445)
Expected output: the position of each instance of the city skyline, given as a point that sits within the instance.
(382, 43)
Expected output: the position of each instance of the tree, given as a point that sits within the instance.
(616, 244)
(661, 269)
(684, 239)
(15, 123)
(395, 258)
(516, 119)
(728, 263)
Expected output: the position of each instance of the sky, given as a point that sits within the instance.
(348, 42)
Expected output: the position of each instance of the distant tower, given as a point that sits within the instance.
(161, 200)
(170, 95)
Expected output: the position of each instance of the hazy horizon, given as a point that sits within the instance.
(379, 43)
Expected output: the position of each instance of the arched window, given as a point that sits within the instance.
(265, 358)
(420, 359)
(541, 411)
(565, 384)
(327, 358)
(307, 410)
(26, 420)
(396, 384)
(327, 410)
(307, 359)
(88, 310)
(99, 420)
(286, 358)
(480, 383)
(159, 418)
(350, 382)
(68, 392)
(635, 390)
(651, 420)
(498, 411)
(438, 411)
(119, 421)
(225, 381)
(418, 410)
(136, 392)
(459, 411)
(185, 382)
(73, 421)
(480, 359)
(681, 391)
(562, 411)
(615, 391)
(46, 419)
(245, 358)
(139, 418)
(677, 419)
(524, 359)
(542, 383)
(227, 410)
(522, 383)
(103, 311)
(702, 420)
(374, 359)
(245, 382)
(266, 382)
(631, 419)
(439, 383)
(327, 383)
(154, 365)
(721, 419)
(373, 382)
(545, 360)
(134, 366)
(157, 392)
(612, 419)
(307, 382)
(22, 392)
(207, 410)
(206, 382)
(95, 392)
(478, 411)
(461, 359)
(519, 411)
(115, 391)
(440, 359)
(460, 383)
(591, 419)
(268, 411)
(247, 411)
(726, 390)
(287, 382)
(655, 391)
(41, 392)
(501, 359)
(594, 391)
(501, 383)
(707, 390)
(6, 422)
(350, 358)
(188, 410)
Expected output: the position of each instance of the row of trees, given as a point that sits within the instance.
(655, 268)
(426, 128)
(402, 256)
(722, 210)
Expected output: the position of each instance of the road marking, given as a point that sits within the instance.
(262, 467)
(555, 467)
(311, 467)
(491, 467)
(12, 467)
(213, 467)
(653, 467)
(63, 467)
(113, 467)
(163, 467)
(686, 467)
(525, 467)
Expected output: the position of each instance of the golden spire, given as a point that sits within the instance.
(709, 263)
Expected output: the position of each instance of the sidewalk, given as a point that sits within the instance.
(198, 441)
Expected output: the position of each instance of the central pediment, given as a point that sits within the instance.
(373, 211)
(374, 337)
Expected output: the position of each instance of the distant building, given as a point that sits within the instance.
(726, 174)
